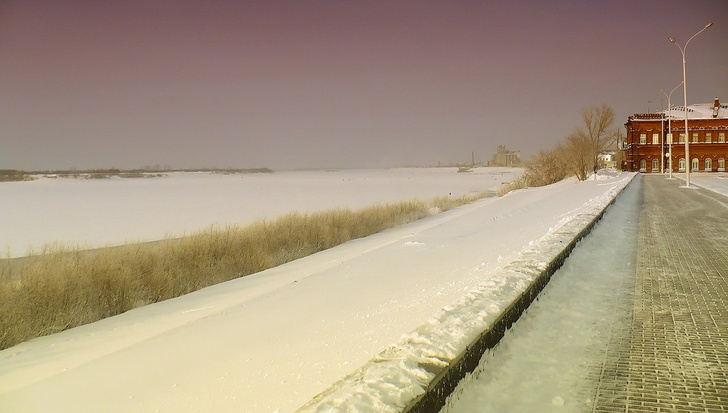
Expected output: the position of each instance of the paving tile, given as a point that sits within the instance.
(673, 354)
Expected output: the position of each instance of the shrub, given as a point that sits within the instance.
(12, 175)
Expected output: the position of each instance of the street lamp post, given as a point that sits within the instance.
(688, 163)
(662, 145)
(669, 127)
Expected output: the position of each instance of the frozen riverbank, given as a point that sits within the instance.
(273, 340)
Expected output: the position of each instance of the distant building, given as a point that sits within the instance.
(650, 139)
(504, 157)
(607, 159)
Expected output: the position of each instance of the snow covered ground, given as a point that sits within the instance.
(716, 182)
(274, 340)
(101, 212)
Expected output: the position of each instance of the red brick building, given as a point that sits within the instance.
(651, 137)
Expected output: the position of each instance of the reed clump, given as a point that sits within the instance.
(61, 288)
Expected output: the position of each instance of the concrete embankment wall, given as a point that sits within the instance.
(418, 373)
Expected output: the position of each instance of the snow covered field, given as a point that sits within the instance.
(101, 212)
(274, 340)
(716, 182)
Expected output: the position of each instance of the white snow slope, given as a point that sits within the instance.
(274, 340)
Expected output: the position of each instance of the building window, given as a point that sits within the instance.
(681, 138)
(655, 138)
(681, 165)
(655, 165)
(721, 164)
(695, 137)
(643, 138)
(695, 164)
(721, 137)
(669, 138)
(643, 165)
(708, 137)
(708, 164)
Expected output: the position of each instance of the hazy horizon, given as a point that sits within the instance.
(324, 84)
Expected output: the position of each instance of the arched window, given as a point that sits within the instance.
(708, 164)
(695, 164)
(655, 165)
(643, 165)
(721, 164)
(681, 165)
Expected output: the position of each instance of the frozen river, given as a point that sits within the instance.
(94, 213)
(550, 361)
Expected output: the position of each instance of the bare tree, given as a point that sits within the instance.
(602, 134)
(583, 146)
(576, 154)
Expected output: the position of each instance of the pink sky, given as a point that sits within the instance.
(289, 84)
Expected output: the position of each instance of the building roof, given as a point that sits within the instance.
(696, 111)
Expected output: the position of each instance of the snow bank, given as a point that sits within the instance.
(587, 302)
(274, 340)
(393, 381)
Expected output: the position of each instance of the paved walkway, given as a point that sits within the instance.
(673, 355)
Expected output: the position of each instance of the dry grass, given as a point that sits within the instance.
(12, 175)
(61, 288)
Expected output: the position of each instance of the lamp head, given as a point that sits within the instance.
(672, 39)
(708, 25)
